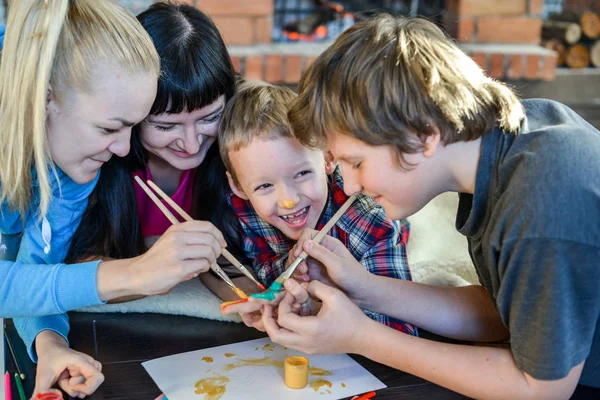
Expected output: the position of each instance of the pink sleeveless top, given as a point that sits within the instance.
(152, 219)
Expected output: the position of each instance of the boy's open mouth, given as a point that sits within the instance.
(297, 219)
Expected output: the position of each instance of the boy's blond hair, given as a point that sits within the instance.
(57, 44)
(256, 110)
(389, 76)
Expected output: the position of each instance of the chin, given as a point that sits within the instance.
(83, 178)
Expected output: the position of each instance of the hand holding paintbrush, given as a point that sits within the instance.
(215, 267)
(277, 286)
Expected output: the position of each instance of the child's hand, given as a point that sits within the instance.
(302, 303)
(332, 263)
(310, 269)
(76, 373)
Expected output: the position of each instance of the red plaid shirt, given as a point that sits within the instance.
(377, 242)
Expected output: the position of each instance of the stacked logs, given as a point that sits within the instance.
(575, 37)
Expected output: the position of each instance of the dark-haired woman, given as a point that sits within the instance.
(175, 147)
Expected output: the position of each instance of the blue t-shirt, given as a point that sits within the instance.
(38, 288)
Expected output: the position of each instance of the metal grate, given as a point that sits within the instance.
(304, 16)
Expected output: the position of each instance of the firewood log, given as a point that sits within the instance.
(589, 21)
(559, 47)
(595, 54)
(577, 56)
(568, 32)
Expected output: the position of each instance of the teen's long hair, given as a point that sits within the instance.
(195, 71)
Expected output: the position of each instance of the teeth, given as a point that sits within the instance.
(299, 213)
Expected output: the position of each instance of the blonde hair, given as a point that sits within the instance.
(256, 110)
(389, 76)
(55, 43)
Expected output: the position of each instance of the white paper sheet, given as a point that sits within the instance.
(177, 375)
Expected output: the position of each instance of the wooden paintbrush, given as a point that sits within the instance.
(230, 257)
(215, 267)
(278, 284)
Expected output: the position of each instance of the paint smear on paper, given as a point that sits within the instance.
(317, 384)
(213, 388)
(229, 355)
(207, 359)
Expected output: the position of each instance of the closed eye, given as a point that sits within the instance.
(109, 131)
(164, 128)
(262, 187)
(212, 118)
(357, 165)
(303, 173)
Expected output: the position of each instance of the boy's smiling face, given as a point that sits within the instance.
(285, 182)
(374, 170)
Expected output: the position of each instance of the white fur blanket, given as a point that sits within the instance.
(436, 252)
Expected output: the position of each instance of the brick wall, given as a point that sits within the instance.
(494, 21)
(501, 35)
(241, 22)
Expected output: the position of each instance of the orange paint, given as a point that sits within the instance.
(268, 347)
(230, 303)
(319, 372)
(213, 388)
(317, 384)
(207, 359)
(229, 354)
(240, 293)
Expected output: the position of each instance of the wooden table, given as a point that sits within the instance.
(121, 342)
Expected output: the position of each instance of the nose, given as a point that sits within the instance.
(288, 204)
(288, 198)
(121, 146)
(191, 139)
(351, 184)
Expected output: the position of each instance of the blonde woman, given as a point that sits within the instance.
(75, 77)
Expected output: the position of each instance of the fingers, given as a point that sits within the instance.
(249, 306)
(92, 376)
(253, 320)
(321, 254)
(200, 227)
(296, 290)
(321, 291)
(307, 234)
(277, 334)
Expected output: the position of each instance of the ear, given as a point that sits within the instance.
(432, 142)
(235, 188)
(330, 162)
(49, 98)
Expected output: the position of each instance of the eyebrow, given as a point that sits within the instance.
(123, 121)
(153, 121)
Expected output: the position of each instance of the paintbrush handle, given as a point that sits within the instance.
(230, 257)
(317, 239)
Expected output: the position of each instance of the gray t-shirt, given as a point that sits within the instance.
(533, 227)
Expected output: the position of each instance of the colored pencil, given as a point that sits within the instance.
(364, 396)
(20, 387)
(7, 387)
(14, 356)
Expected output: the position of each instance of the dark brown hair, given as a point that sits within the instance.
(386, 77)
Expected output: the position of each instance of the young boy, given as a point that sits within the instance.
(409, 116)
(281, 188)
